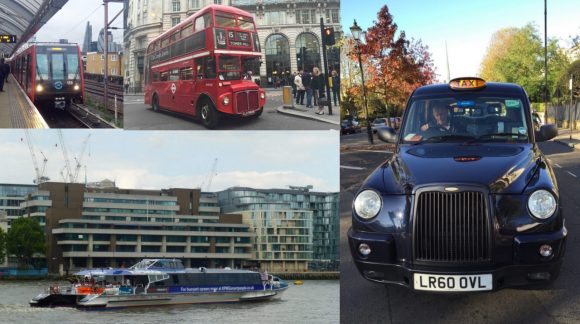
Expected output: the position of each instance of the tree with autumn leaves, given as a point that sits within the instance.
(394, 66)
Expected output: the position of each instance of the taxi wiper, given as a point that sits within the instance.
(443, 138)
(490, 137)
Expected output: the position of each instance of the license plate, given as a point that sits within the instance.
(248, 113)
(453, 282)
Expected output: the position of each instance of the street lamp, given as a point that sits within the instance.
(356, 34)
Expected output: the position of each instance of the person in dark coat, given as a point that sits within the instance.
(4, 72)
(307, 83)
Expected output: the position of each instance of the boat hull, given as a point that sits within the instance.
(160, 299)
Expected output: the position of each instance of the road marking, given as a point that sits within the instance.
(572, 174)
(351, 167)
(559, 166)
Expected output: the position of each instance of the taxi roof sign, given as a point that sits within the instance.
(466, 83)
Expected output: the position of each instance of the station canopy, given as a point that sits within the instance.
(24, 18)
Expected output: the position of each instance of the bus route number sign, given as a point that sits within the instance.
(10, 39)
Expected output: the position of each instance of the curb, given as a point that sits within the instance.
(293, 112)
(567, 143)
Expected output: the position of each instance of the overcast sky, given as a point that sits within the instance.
(164, 159)
(71, 21)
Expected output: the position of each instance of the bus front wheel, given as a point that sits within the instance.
(209, 115)
(155, 103)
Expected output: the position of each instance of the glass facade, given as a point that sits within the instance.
(293, 224)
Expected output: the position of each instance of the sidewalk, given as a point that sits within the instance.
(303, 112)
(564, 138)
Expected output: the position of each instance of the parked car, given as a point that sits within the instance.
(378, 122)
(349, 127)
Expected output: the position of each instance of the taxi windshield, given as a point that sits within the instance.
(465, 119)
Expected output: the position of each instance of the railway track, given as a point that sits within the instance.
(90, 120)
(97, 88)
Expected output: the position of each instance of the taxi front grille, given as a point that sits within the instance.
(247, 101)
(452, 227)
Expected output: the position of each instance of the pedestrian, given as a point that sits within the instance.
(126, 87)
(3, 73)
(316, 83)
(307, 83)
(299, 88)
(6, 72)
(291, 82)
(336, 87)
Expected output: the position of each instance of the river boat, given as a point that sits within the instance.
(153, 282)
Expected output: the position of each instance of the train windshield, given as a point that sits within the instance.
(41, 66)
(72, 66)
(57, 66)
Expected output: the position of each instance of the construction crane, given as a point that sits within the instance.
(210, 176)
(39, 173)
(69, 175)
(80, 159)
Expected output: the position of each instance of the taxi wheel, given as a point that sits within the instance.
(209, 115)
(155, 103)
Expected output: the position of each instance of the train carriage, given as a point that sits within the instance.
(50, 74)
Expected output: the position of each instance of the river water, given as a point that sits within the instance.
(316, 301)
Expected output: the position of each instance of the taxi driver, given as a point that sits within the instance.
(441, 118)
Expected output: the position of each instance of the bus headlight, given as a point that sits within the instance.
(39, 88)
(262, 95)
(367, 204)
(76, 87)
(542, 204)
(226, 100)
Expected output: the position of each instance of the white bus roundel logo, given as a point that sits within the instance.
(173, 88)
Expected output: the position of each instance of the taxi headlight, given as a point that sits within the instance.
(542, 204)
(367, 204)
(226, 100)
(262, 95)
(76, 87)
(39, 88)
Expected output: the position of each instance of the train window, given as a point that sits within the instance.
(41, 66)
(72, 65)
(57, 66)
(164, 76)
(174, 75)
(187, 30)
(186, 73)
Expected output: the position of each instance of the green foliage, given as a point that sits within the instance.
(25, 238)
(516, 55)
(564, 82)
(2, 245)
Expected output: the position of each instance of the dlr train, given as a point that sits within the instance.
(50, 74)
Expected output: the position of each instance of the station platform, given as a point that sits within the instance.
(16, 109)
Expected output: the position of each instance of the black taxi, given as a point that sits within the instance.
(467, 202)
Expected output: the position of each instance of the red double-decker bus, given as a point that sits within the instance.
(200, 66)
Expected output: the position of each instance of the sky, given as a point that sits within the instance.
(71, 21)
(466, 26)
(179, 159)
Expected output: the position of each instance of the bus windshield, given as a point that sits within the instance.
(229, 67)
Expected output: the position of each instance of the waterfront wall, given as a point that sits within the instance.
(331, 275)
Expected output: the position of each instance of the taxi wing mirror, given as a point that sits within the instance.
(387, 134)
(546, 132)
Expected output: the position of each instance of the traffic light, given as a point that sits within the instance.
(328, 37)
